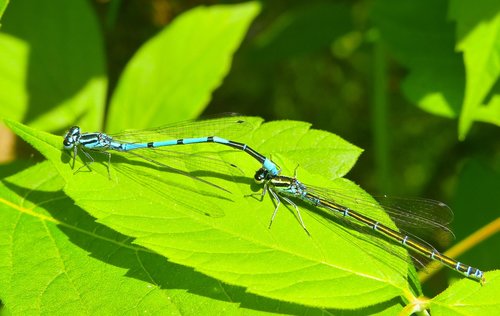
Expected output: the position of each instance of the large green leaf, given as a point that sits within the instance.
(478, 37)
(52, 64)
(335, 267)
(56, 260)
(466, 297)
(172, 77)
(82, 267)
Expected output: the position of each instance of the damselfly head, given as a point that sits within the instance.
(261, 175)
(71, 137)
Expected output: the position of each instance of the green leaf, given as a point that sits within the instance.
(467, 297)
(422, 39)
(52, 65)
(437, 76)
(478, 37)
(172, 77)
(311, 149)
(60, 277)
(491, 112)
(336, 267)
(82, 267)
(13, 67)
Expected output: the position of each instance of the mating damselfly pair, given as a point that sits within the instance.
(281, 188)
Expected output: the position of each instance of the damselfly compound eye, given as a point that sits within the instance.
(71, 137)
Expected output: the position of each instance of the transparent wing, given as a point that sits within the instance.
(414, 216)
(162, 179)
(345, 227)
(357, 234)
(179, 158)
(229, 126)
(159, 178)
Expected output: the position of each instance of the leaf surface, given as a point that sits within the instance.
(467, 297)
(82, 267)
(336, 267)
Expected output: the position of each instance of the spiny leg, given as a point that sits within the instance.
(278, 202)
(91, 160)
(75, 152)
(109, 160)
(86, 164)
(109, 163)
(295, 172)
(298, 213)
